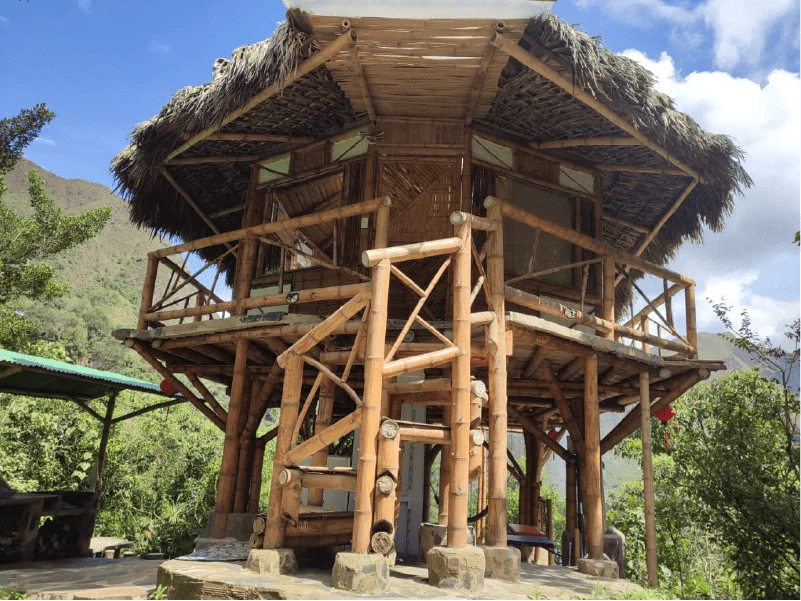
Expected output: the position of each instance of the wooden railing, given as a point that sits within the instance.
(615, 263)
(204, 302)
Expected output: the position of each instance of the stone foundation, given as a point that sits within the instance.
(456, 568)
(601, 568)
(436, 535)
(502, 563)
(360, 573)
(615, 549)
(272, 561)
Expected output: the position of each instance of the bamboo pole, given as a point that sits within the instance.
(371, 408)
(440, 436)
(205, 393)
(257, 302)
(310, 64)
(564, 410)
(648, 480)
(478, 81)
(290, 405)
(327, 326)
(410, 252)
(495, 335)
(692, 332)
(570, 513)
(585, 241)
(148, 289)
(593, 504)
(255, 481)
(418, 362)
(444, 474)
(388, 468)
(248, 137)
(584, 142)
(569, 86)
(428, 459)
(476, 222)
(631, 421)
(533, 429)
(325, 410)
(320, 440)
(420, 386)
(608, 304)
(230, 458)
(659, 300)
(362, 80)
(189, 200)
(273, 227)
(664, 219)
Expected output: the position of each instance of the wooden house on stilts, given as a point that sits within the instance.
(450, 210)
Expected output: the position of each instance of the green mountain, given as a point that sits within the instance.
(105, 273)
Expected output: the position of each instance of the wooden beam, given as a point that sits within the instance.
(569, 86)
(632, 226)
(185, 195)
(309, 65)
(208, 160)
(668, 214)
(228, 211)
(648, 480)
(362, 80)
(564, 410)
(478, 81)
(533, 429)
(253, 137)
(583, 142)
(640, 169)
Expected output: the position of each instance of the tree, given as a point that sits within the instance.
(26, 243)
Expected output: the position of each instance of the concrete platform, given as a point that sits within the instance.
(232, 581)
(86, 578)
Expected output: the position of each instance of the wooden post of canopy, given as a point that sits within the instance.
(648, 479)
(247, 445)
(593, 509)
(287, 416)
(496, 361)
(230, 459)
(104, 436)
(481, 524)
(608, 304)
(255, 481)
(460, 390)
(325, 411)
(387, 470)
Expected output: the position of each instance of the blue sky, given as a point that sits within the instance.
(104, 65)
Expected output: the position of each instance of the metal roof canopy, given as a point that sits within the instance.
(36, 376)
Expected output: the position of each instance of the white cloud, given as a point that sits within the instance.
(769, 317)
(157, 47)
(3, 19)
(43, 140)
(741, 28)
(755, 247)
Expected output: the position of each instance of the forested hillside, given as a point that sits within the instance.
(104, 274)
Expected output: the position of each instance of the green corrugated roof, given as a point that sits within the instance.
(49, 378)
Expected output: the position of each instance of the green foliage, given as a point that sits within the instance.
(26, 243)
(12, 592)
(159, 593)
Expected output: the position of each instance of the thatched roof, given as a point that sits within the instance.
(527, 108)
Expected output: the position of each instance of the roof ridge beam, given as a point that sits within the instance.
(577, 142)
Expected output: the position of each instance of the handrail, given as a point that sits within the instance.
(584, 241)
(359, 208)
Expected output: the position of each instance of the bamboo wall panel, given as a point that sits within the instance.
(418, 67)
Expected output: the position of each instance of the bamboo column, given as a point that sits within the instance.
(692, 332)
(148, 288)
(371, 407)
(325, 410)
(104, 436)
(287, 416)
(226, 488)
(388, 468)
(460, 387)
(593, 508)
(648, 479)
(608, 304)
(427, 461)
(247, 444)
(496, 361)
(444, 475)
(481, 524)
(571, 522)
(255, 481)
